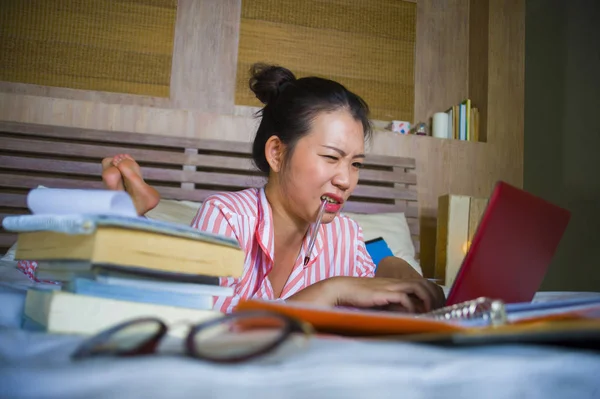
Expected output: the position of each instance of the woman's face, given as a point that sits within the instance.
(324, 165)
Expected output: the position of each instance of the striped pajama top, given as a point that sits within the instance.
(246, 215)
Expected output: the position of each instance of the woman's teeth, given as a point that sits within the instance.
(331, 201)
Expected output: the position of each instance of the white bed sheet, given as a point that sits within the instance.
(37, 365)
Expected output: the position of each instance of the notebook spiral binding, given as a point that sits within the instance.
(489, 310)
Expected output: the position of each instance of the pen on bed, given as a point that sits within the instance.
(311, 243)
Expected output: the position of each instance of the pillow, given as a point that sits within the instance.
(393, 228)
(174, 211)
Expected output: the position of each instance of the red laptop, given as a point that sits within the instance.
(511, 249)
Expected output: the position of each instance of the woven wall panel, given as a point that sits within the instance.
(120, 46)
(367, 45)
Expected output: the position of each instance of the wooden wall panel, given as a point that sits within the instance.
(441, 57)
(205, 54)
(127, 118)
(506, 92)
(99, 97)
(479, 14)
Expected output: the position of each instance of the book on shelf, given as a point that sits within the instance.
(463, 121)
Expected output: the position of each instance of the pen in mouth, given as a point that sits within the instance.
(311, 243)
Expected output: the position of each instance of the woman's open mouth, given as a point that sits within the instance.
(334, 203)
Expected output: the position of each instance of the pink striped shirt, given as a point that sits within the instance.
(246, 215)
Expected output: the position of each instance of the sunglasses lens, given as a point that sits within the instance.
(239, 337)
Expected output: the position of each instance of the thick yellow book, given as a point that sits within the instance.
(114, 245)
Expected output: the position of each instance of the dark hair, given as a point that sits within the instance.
(292, 104)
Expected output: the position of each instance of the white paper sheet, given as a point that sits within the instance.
(54, 201)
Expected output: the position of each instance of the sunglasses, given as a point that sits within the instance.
(231, 338)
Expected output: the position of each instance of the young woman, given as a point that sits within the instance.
(310, 144)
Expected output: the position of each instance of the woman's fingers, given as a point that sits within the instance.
(421, 292)
(415, 288)
(441, 296)
(401, 298)
(418, 295)
(436, 292)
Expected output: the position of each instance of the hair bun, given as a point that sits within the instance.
(266, 81)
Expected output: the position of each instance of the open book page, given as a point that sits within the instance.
(55, 201)
(77, 211)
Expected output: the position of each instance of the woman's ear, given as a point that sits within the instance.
(274, 150)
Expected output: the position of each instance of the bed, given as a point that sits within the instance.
(185, 171)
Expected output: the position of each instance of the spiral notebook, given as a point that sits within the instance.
(481, 313)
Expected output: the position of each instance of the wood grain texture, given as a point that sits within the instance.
(125, 118)
(441, 56)
(506, 113)
(95, 96)
(205, 54)
(479, 14)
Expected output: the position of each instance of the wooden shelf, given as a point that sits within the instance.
(467, 49)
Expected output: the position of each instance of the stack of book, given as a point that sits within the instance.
(116, 266)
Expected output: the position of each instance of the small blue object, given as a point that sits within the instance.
(378, 249)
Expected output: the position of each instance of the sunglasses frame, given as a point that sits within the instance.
(88, 348)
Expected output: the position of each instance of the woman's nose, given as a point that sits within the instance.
(342, 178)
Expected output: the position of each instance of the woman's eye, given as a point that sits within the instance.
(330, 157)
(357, 165)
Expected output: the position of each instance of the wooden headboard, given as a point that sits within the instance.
(179, 168)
